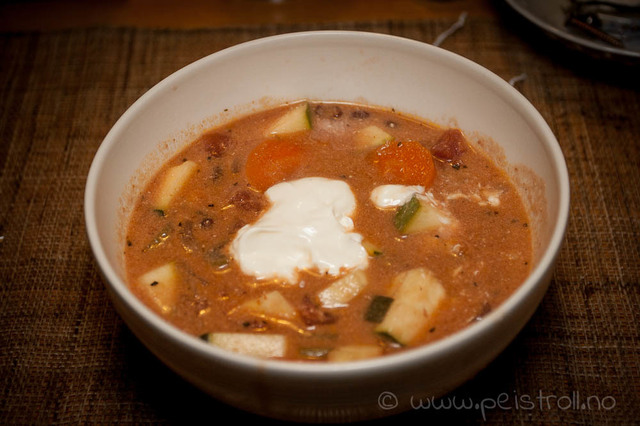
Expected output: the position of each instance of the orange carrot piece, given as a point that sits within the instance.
(273, 161)
(404, 163)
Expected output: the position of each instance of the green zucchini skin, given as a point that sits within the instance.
(378, 308)
(418, 215)
(406, 213)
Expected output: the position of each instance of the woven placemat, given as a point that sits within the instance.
(65, 355)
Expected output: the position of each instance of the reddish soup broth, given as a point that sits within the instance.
(412, 234)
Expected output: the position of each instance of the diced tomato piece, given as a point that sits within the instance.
(404, 163)
(273, 161)
(450, 146)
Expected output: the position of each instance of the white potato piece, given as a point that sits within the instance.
(340, 292)
(260, 345)
(160, 284)
(173, 181)
(371, 137)
(416, 296)
(354, 353)
(270, 305)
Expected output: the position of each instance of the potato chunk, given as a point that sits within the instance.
(260, 345)
(372, 136)
(353, 353)
(160, 284)
(417, 295)
(340, 292)
(173, 181)
(270, 305)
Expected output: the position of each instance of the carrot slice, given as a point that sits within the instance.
(404, 163)
(273, 161)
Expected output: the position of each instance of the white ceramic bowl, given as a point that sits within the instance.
(413, 77)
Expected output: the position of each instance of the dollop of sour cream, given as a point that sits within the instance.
(385, 196)
(308, 226)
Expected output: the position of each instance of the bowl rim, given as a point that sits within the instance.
(420, 354)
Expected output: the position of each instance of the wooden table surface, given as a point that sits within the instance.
(59, 14)
(70, 68)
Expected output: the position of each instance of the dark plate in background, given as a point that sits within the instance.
(604, 29)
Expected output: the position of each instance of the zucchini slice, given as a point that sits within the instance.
(353, 353)
(418, 215)
(372, 137)
(340, 292)
(296, 119)
(260, 345)
(173, 181)
(378, 308)
(160, 284)
(270, 305)
(417, 295)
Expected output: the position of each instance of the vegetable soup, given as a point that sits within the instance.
(327, 232)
